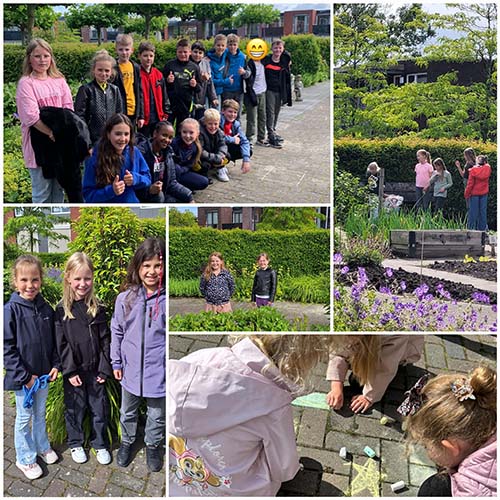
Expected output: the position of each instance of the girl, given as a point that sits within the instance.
(96, 102)
(29, 353)
(187, 152)
(83, 339)
(440, 181)
(217, 285)
(42, 84)
(476, 194)
(138, 351)
(231, 423)
(116, 169)
(374, 362)
(423, 172)
(457, 425)
(159, 157)
(470, 161)
(372, 182)
(264, 283)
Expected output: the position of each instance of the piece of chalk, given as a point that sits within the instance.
(343, 452)
(368, 451)
(398, 486)
(384, 420)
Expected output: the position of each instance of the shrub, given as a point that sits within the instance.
(364, 252)
(52, 259)
(153, 228)
(307, 289)
(306, 55)
(184, 288)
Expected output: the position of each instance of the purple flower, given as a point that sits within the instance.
(362, 278)
(384, 289)
(336, 294)
(337, 258)
(494, 308)
(344, 270)
(481, 297)
(388, 272)
(421, 291)
(402, 285)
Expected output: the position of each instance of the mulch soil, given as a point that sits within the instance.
(481, 270)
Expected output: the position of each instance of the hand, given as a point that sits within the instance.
(118, 186)
(140, 122)
(75, 381)
(156, 187)
(117, 374)
(231, 80)
(29, 385)
(100, 380)
(335, 398)
(128, 178)
(457, 163)
(53, 374)
(192, 82)
(205, 76)
(237, 139)
(51, 136)
(441, 190)
(241, 71)
(245, 167)
(215, 103)
(171, 78)
(360, 404)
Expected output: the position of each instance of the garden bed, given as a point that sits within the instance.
(481, 270)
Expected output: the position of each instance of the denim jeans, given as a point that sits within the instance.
(44, 190)
(476, 216)
(30, 441)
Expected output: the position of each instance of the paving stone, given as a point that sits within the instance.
(330, 460)
(419, 473)
(201, 344)
(98, 481)
(461, 366)
(139, 469)
(355, 444)
(306, 482)
(453, 349)
(342, 420)
(372, 427)
(393, 464)
(312, 427)
(418, 455)
(21, 489)
(127, 481)
(156, 488)
(113, 490)
(333, 485)
(75, 491)
(408, 491)
(434, 355)
(179, 344)
(362, 478)
(74, 477)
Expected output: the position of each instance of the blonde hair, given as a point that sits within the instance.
(372, 164)
(263, 254)
(470, 155)
(23, 261)
(443, 415)
(74, 263)
(366, 357)
(124, 39)
(220, 38)
(52, 72)
(208, 270)
(192, 121)
(425, 153)
(232, 37)
(211, 114)
(230, 103)
(102, 55)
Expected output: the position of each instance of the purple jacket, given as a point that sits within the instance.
(138, 342)
(230, 424)
(476, 475)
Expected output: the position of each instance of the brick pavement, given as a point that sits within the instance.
(321, 433)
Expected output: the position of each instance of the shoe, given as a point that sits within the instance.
(263, 143)
(278, 138)
(124, 455)
(31, 471)
(274, 143)
(49, 456)
(78, 455)
(103, 456)
(154, 458)
(222, 174)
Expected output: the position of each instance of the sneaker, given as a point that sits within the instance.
(278, 138)
(263, 143)
(103, 456)
(124, 455)
(49, 456)
(78, 455)
(154, 458)
(274, 143)
(222, 174)
(31, 471)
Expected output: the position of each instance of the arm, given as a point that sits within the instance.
(140, 171)
(230, 283)
(81, 103)
(274, 285)
(254, 288)
(104, 344)
(91, 193)
(203, 285)
(449, 181)
(470, 186)
(68, 365)
(139, 112)
(117, 332)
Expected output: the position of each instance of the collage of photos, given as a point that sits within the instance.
(274, 223)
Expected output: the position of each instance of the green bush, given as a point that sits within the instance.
(154, 228)
(184, 288)
(306, 55)
(52, 259)
(364, 252)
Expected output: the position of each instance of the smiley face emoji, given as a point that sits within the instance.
(257, 49)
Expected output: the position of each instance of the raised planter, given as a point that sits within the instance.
(437, 243)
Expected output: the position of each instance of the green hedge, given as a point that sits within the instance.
(398, 157)
(153, 228)
(300, 252)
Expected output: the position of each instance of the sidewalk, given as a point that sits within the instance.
(321, 433)
(298, 173)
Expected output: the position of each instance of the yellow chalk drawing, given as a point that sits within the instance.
(368, 478)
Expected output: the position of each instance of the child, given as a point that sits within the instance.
(187, 152)
(29, 353)
(372, 181)
(96, 102)
(83, 339)
(116, 169)
(206, 97)
(213, 143)
(218, 56)
(231, 422)
(476, 192)
(255, 103)
(423, 173)
(440, 181)
(265, 283)
(374, 362)
(217, 285)
(138, 351)
(183, 83)
(128, 80)
(470, 161)
(154, 90)
(457, 423)
(237, 143)
(159, 156)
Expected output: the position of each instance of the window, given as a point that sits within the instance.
(301, 24)
(59, 210)
(416, 78)
(212, 219)
(237, 215)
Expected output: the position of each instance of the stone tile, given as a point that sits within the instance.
(330, 460)
(156, 487)
(419, 456)
(354, 444)
(367, 481)
(177, 343)
(434, 355)
(75, 477)
(419, 473)
(343, 420)
(453, 348)
(372, 427)
(127, 481)
(21, 489)
(312, 427)
(461, 366)
(113, 490)
(75, 491)
(305, 483)
(408, 491)
(333, 485)
(99, 480)
(394, 466)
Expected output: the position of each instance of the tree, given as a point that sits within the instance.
(257, 13)
(289, 219)
(27, 16)
(216, 12)
(36, 223)
(181, 219)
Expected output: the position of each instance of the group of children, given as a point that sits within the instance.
(75, 341)
(231, 426)
(198, 97)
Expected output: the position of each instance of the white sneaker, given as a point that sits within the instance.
(222, 174)
(78, 455)
(103, 456)
(49, 456)
(31, 471)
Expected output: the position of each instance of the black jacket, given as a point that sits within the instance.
(264, 283)
(214, 147)
(139, 100)
(180, 93)
(60, 159)
(83, 343)
(250, 98)
(285, 79)
(28, 340)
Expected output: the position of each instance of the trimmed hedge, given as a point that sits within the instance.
(398, 157)
(301, 252)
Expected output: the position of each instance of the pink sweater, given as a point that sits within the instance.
(33, 94)
(423, 172)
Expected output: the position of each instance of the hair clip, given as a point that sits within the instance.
(462, 389)
(414, 399)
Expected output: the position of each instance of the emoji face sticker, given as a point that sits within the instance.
(257, 49)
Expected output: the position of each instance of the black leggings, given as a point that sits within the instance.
(438, 485)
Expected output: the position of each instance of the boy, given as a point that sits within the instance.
(255, 102)
(279, 89)
(207, 89)
(183, 83)
(128, 80)
(213, 143)
(238, 145)
(218, 57)
(154, 90)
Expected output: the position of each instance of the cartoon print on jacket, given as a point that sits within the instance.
(190, 470)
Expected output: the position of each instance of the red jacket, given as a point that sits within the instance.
(478, 181)
(154, 79)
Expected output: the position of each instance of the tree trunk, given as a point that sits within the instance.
(147, 26)
(30, 23)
